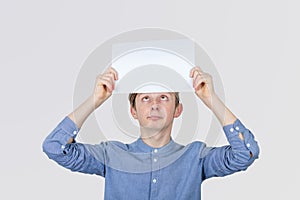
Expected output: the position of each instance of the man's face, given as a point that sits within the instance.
(155, 112)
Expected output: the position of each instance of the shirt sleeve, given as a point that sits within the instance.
(75, 156)
(237, 156)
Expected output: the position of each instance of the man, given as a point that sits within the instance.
(154, 166)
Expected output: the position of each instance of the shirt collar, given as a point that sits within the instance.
(142, 146)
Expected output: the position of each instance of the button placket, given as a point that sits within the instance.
(155, 159)
(154, 173)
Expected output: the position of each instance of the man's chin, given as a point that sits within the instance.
(148, 132)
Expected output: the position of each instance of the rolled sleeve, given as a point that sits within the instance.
(57, 141)
(74, 156)
(248, 145)
(238, 156)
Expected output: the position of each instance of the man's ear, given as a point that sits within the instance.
(178, 110)
(133, 112)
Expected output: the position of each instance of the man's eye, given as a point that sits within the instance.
(164, 98)
(145, 99)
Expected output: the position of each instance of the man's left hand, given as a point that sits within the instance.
(203, 85)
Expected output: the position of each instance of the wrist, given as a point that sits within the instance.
(96, 100)
(211, 101)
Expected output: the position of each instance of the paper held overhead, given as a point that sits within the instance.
(152, 69)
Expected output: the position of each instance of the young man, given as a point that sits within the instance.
(154, 166)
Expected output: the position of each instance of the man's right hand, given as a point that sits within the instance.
(105, 84)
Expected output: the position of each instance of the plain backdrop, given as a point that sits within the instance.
(254, 44)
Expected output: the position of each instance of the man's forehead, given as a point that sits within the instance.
(156, 93)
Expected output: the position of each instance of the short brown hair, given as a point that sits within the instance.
(132, 97)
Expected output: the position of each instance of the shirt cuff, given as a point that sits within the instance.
(232, 131)
(69, 130)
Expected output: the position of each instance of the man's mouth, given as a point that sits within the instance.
(154, 117)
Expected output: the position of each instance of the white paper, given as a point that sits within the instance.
(157, 69)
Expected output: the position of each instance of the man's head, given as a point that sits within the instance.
(155, 111)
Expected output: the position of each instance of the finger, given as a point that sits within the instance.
(112, 71)
(194, 71)
(197, 75)
(200, 80)
(108, 79)
(195, 79)
(199, 85)
(115, 73)
(111, 74)
(106, 85)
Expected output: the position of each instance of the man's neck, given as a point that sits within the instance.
(157, 140)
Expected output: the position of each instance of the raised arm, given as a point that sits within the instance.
(243, 149)
(60, 144)
(105, 84)
(204, 89)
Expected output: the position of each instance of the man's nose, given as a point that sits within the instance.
(155, 105)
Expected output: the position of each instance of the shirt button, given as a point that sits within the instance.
(155, 160)
(237, 128)
(155, 150)
(74, 132)
(231, 130)
(154, 180)
(248, 145)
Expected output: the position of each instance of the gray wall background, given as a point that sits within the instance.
(254, 44)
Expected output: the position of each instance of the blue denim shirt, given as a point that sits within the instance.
(137, 171)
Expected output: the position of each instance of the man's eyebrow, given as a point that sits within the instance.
(142, 95)
(168, 94)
